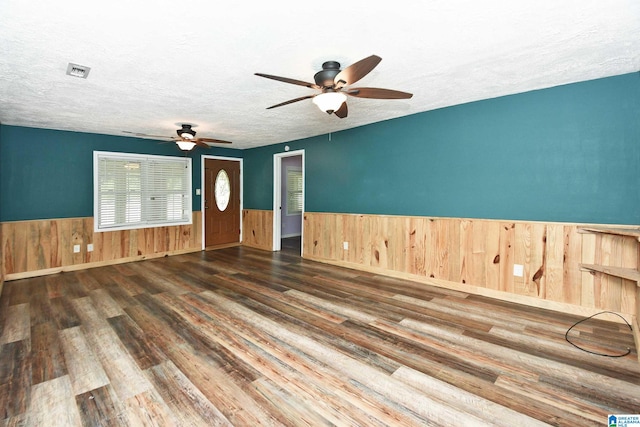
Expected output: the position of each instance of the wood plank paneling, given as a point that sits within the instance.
(38, 247)
(257, 229)
(478, 254)
(475, 252)
(1, 260)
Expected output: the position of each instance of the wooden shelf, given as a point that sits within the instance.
(631, 232)
(625, 273)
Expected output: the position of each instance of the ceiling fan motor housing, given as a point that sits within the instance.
(186, 129)
(325, 77)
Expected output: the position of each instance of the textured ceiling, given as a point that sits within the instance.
(157, 64)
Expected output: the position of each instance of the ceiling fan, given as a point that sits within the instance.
(186, 138)
(333, 84)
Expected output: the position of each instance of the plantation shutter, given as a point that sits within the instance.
(138, 191)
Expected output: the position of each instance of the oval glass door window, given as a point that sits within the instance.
(222, 190)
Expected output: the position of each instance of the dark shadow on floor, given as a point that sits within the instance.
(291, 245)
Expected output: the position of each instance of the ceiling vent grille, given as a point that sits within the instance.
(76, 70)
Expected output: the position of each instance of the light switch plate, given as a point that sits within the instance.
(90, 247)
(345, 246)
(76, 249)
(197, 191)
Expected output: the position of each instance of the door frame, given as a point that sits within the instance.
(277, 198)
(202, 183)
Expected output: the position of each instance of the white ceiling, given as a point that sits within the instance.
(156, 64)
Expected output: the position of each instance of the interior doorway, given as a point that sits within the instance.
(221, 201)
(288, 200)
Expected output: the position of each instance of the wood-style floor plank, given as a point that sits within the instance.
(64, 314)
(245, 337)
(53, 403)
(85, 371)
(223, 389)
(142, 349)
(149, 409)
(71, 285)
(350, 368)
(126, 378)
(305, 377)
(15, 378)
(47, 360)
(186, 401)
(17, 324)
(100, 407)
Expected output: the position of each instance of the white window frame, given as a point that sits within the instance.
(145, 159)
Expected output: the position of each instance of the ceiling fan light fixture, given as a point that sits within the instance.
(329, 101)
(186, 145)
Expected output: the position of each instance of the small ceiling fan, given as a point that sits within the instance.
(333, 84)
(186, 138)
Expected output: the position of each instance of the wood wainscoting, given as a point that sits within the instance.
(39, 247)
(257, 229)
(478, 256)
(1, 260)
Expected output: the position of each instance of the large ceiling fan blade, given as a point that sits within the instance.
(355, 72)
(342, 111)
(146, 135)
(377, 93)
(288, 80)
(291, 101)
(199, 142)
(212, 140)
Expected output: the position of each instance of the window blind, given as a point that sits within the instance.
(294, 191)
(138, 191)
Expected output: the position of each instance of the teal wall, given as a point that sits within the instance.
(569, 153)
(49, 174)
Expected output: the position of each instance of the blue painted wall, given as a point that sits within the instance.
(569, 153)
(49, 174)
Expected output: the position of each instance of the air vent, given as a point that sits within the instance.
(76, 70)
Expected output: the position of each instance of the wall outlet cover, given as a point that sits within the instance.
(518, 270)
(76, 249)
(90, 247)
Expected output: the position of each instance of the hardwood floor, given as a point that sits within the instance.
(245, 337)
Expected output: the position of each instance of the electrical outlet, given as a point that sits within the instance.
(76, 249)
(197, 191)
(90, 247)
(518, 270)
(345, 246)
